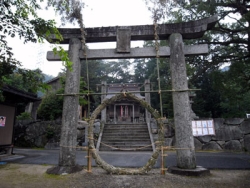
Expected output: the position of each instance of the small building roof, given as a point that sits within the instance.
(113, 89)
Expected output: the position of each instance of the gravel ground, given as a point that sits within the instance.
(34, 176)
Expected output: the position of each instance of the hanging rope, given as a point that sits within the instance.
(87, 68)
(157, 63)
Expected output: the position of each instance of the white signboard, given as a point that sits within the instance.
(203, 127)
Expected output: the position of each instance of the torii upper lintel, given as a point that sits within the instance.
(188, 30)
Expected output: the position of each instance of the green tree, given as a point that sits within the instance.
(20, 19)
(223, 93)
(207, 101)
(27, 80)
(51, 106)
(52, 102)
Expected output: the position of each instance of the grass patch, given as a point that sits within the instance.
(55, 177)
(9, 167)
(45, 165)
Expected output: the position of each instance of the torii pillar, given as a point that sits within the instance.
(182, 110)
(67, 154)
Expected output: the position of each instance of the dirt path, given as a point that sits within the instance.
(34, 176)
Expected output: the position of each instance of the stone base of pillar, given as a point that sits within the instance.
(198, 171)
(58, 170)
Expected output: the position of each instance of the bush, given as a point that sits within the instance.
(50, 107)
(24, 116)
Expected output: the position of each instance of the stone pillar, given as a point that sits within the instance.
(182, 120)
(147, 99)
(104, 111)
(67, 156)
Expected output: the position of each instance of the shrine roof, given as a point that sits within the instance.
(118, 88)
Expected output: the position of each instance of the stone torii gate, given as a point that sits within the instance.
(175, 33)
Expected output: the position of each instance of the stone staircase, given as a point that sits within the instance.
(129, 137)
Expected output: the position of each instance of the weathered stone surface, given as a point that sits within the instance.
(245, 126)
(189, 30)
(168, 141)
(221, 143)
(242, 142)
(97, 126)
(82, 124)
(222, 134)
(165, 121)
(204, 139)
(234, 121)
(198, 171)
(153, 123)
(174, 142)
(155, 137)
(58, 170)
(233, 145)
(52, 145)
(197, 144)
(235, 132)
(182, 113)
(154, 131)
(148, 52)
(218, 123)
(247, 142)
(68, 140)
(211, 146)
(227, 133)
(36, 133)
(80, 133)
(169, 131)
(123, 37)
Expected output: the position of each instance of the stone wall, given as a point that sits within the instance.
(231, 134)
(36, 133)
(46, 134)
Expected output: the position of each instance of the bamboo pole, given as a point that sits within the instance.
(89, 168)
(162, 161)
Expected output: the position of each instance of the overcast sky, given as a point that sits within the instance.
(97, 13)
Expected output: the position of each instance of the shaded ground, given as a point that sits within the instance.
(30, 176)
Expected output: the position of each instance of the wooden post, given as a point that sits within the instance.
(89, 160)
(162, 161)
(182, 119)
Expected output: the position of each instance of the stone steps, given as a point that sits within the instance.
(135, 147)
(125, 137)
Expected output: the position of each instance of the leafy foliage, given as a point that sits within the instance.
(24, 116)
(224, 93)
(51, 106)
(20, 19)
(27, 80)
(52, 103)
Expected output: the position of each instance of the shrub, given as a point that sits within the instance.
(24, 116)
(50, 107)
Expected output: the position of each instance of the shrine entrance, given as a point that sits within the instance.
(175, 33)
(124, 111)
